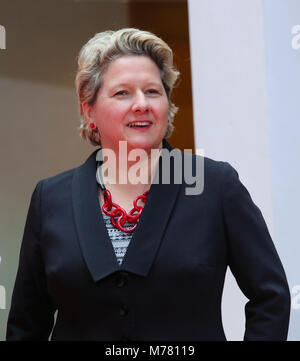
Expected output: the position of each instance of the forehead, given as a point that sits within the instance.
(131, 68)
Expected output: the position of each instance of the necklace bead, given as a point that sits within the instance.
(114, 210)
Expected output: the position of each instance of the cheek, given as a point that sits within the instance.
(165, 110)
(161, 109)
(110, 114)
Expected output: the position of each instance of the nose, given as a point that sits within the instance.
(140, 103)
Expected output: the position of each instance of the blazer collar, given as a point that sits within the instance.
(94, 241)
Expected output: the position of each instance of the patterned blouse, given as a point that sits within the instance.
(120, 240)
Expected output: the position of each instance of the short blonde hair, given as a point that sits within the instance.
(101, 50)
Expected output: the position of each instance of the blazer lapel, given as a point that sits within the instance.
(95, 244)
(94, 241)
(150, 230)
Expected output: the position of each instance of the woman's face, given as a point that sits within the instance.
(131, 104)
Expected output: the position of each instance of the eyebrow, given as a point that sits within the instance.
(124, 84)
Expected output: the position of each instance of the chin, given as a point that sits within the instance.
(145, 144)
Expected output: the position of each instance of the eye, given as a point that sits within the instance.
(121, 92)
(152, 91)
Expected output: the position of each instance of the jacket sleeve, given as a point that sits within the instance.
(31, 314)
(255, 263)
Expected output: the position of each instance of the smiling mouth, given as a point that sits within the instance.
(140, 124)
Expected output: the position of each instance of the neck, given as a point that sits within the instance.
(131, 171)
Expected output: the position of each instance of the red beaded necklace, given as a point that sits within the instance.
(114, 210)
(122, 215)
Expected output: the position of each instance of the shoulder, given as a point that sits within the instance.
(206, 176)
(214, 171)
(63, 180)
(218, 168)
(52, 190)
(57, 182)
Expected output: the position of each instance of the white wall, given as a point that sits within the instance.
(241, 112)
(283, 89)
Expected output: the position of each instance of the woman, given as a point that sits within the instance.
(153, 271)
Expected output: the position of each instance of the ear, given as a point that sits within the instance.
(87, 111)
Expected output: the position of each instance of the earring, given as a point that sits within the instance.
(92, 125)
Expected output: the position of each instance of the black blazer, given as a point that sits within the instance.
(169, 286)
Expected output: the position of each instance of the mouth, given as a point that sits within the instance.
(139, 124)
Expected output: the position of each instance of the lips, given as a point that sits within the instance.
(139, 124)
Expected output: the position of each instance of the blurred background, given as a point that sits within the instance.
(238, 99)
(38, 104)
